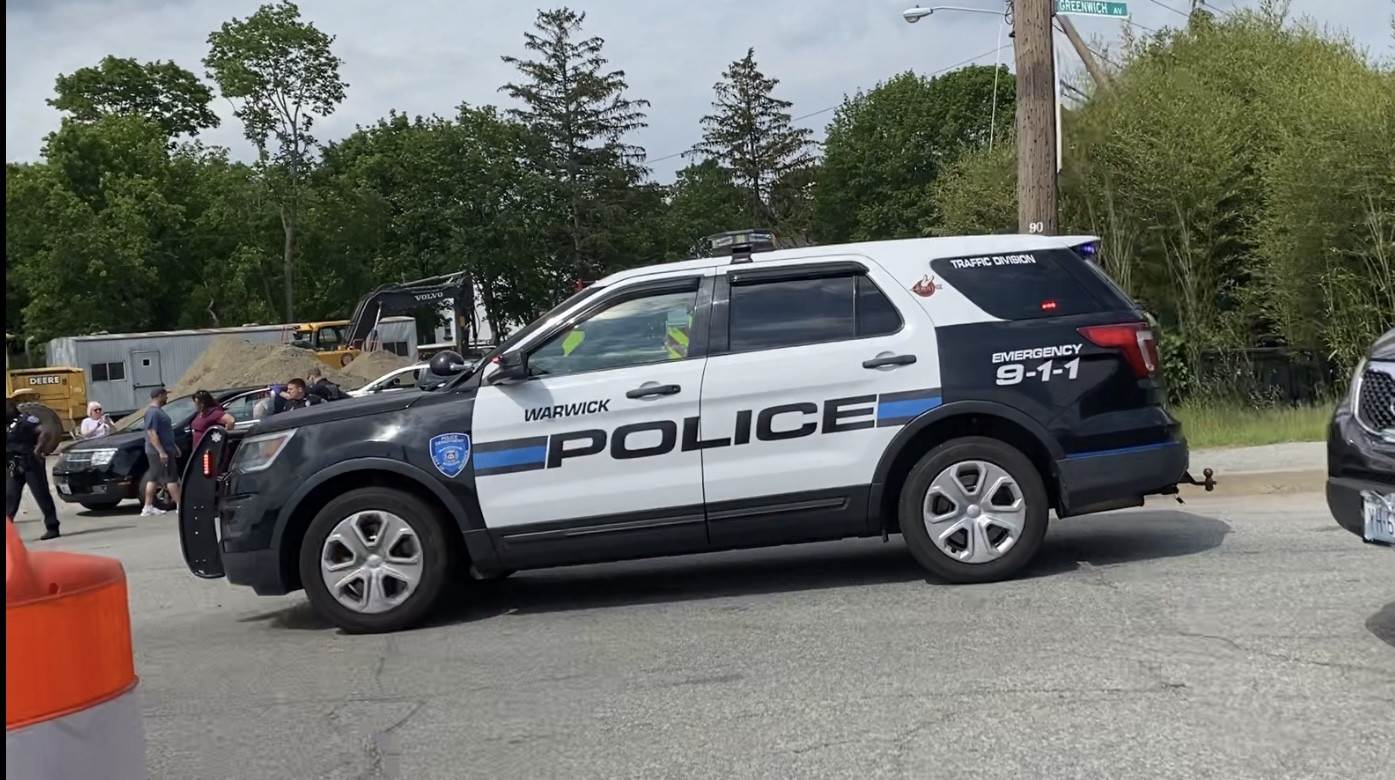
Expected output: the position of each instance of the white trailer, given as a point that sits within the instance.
(122, 368)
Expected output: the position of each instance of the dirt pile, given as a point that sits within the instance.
(371, 365)
(233, 362)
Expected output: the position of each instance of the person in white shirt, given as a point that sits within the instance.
(95, 424)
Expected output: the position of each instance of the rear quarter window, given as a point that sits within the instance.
(1019, 285)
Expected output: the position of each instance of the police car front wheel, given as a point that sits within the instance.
(973, 510)
(375, 559)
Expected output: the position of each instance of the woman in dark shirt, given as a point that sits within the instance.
(208, 414)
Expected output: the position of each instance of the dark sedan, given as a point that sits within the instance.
(101, 473)
(1361, 449)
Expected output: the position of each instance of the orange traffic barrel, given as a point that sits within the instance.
(71, 709)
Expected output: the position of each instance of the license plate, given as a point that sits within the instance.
(1380, 517)
(64, 489)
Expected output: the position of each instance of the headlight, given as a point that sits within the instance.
(257, 453)
(103, 457)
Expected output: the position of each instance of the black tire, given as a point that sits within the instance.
(48, 422)
(99, 506)
(973, 448)
(439, 559)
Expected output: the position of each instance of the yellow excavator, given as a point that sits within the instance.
(57, 395)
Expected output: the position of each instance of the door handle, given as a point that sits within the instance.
(889, 360)
(652, 390)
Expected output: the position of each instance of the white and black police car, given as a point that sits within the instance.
(952, 390)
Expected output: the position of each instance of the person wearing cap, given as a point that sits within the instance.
(26, 444)
(160, 451)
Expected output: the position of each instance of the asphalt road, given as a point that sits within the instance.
(1228, 638)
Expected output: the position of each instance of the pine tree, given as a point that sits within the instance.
(750, 133)
(579, 115)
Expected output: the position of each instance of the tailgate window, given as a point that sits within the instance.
(1020, 285)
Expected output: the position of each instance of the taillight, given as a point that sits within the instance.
(207, 463)
(1134, 339)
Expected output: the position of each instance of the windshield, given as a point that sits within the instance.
(180, 410)
(524, 332)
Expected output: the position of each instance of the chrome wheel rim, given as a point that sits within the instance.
(371, 562)
(974, 512)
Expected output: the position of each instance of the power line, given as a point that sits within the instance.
(1161, 4)
(812, 114)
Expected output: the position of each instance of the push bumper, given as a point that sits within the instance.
(1114, 479)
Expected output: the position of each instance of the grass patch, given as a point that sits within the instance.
(1220, 424)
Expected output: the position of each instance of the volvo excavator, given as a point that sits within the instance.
(454, 291)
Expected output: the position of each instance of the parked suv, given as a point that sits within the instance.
(1361, 449)
(101, 473)
(952, 390)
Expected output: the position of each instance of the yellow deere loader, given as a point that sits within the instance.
(57, 395)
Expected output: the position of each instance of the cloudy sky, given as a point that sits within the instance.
(426, 56)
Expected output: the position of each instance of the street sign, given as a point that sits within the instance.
(1092, 8)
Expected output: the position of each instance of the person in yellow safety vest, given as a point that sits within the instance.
(676, 339)
(572, 341)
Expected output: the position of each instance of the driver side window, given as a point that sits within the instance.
(631, 332)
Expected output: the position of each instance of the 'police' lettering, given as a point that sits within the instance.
(765, 429)
(834, 413)
(557, 449)
(668, 439)
(692, 438)
(782, 422)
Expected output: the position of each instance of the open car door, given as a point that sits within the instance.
(198, 511)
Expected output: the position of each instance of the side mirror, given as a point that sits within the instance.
(511, 367)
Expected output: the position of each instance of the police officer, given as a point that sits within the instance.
(26, 444)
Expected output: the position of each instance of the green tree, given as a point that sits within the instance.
(751, 134)
(162, 91)
(409, 198)
(1240, 173)
(88, 226)
(887, 146)
(282, 73)
(579, 115)
(702, 201)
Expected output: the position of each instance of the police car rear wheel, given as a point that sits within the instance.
(973, 510)
(375, 560)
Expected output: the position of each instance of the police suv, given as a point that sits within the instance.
(952, 390)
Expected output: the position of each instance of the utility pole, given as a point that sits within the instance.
(1036, 117)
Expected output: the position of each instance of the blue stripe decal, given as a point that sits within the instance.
(504, 458)
(1123, 450)
(911, 407)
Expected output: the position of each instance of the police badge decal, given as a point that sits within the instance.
(450, 452)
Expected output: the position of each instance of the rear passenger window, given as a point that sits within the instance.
(876, 316)
(1019, 285)
(793, 312)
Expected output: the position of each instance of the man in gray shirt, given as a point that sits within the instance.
(160, 451)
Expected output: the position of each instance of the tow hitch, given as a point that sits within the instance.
(1207, 481)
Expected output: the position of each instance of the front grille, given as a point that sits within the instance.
(75, 460)
(1375, 401)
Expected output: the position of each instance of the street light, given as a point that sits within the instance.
(913, 15)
